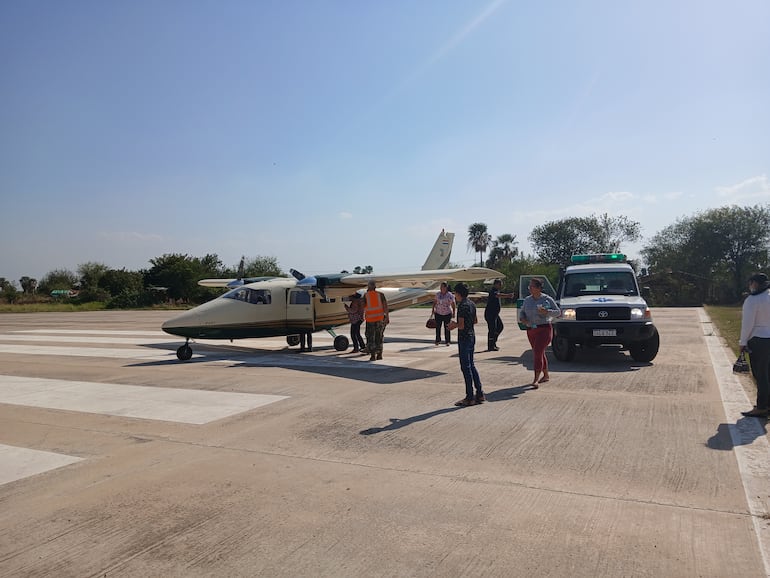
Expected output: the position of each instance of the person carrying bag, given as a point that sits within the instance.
(444, 307)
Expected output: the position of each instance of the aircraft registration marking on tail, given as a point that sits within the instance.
(18, 463)
(134, 401)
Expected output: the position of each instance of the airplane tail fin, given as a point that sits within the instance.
(438, 258)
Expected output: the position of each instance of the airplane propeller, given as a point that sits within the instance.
(309, 283)
(239, 281)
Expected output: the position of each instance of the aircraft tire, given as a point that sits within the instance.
(184, 353)
(341, 343)
(292, 340)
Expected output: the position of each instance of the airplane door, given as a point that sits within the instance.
(299, 311)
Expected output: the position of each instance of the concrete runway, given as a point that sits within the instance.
(254, 460)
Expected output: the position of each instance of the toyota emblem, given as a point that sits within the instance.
(603, 314)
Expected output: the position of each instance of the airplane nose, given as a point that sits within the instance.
(184, 324)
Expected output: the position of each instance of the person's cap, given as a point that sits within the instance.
(760, 278)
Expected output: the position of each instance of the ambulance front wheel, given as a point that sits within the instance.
(563, 349)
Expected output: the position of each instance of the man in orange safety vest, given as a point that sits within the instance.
(376, 317)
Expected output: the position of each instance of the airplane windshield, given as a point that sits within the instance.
(248, 295)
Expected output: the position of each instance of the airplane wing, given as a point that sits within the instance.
(420, 279)
(231, 282)
(215, 282)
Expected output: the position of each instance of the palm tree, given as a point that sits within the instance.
(503, 250)
(478, 239)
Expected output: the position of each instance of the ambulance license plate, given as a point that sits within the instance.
(605, 333)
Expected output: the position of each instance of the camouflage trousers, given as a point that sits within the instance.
(375, 333)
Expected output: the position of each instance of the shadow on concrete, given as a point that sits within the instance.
(742, 433)
(507, 394)
(396, 423)
(342, 366)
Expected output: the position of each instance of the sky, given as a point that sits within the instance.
(331, 134)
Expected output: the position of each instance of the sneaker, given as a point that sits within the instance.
(372, 357)
(447, 344)
(480, 398)
(379, 356)
(465, 402)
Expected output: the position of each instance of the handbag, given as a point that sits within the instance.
(431, 322)
(741, 364)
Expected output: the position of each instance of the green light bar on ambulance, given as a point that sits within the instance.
(598, 258)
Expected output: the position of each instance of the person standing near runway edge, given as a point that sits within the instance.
(376, 317)
(444, 309)
(492, 315)
(466, 343)
(755, 339)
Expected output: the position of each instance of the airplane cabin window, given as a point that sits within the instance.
(299, 298)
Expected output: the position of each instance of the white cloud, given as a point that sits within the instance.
(345, 215)
(752, 188)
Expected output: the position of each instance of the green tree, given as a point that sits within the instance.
(58, 279)
(613, 231)
(557, 241)
(261, 266)
(479, 239)
(90, 273)
(363, 270)
(28, 285)
(179, 275)
(89, 276)
(503, 251)
(719, 246)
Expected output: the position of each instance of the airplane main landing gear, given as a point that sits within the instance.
(341, 343)
(184, 353)
(292, 340)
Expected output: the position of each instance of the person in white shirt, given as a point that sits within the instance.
(755, 339)
(444, 308)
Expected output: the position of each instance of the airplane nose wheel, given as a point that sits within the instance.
(184, 353)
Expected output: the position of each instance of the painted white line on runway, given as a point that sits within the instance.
(95, 339)
(135, 401)
(94, 332)
(749, 439)
(144, 355)
(18, 463)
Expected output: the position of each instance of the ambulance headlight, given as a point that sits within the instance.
(568, 314)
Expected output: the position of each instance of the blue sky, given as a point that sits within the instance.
(330, 134)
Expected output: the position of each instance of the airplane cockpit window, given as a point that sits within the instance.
(248, 295)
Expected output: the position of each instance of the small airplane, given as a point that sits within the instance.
(285, 306)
